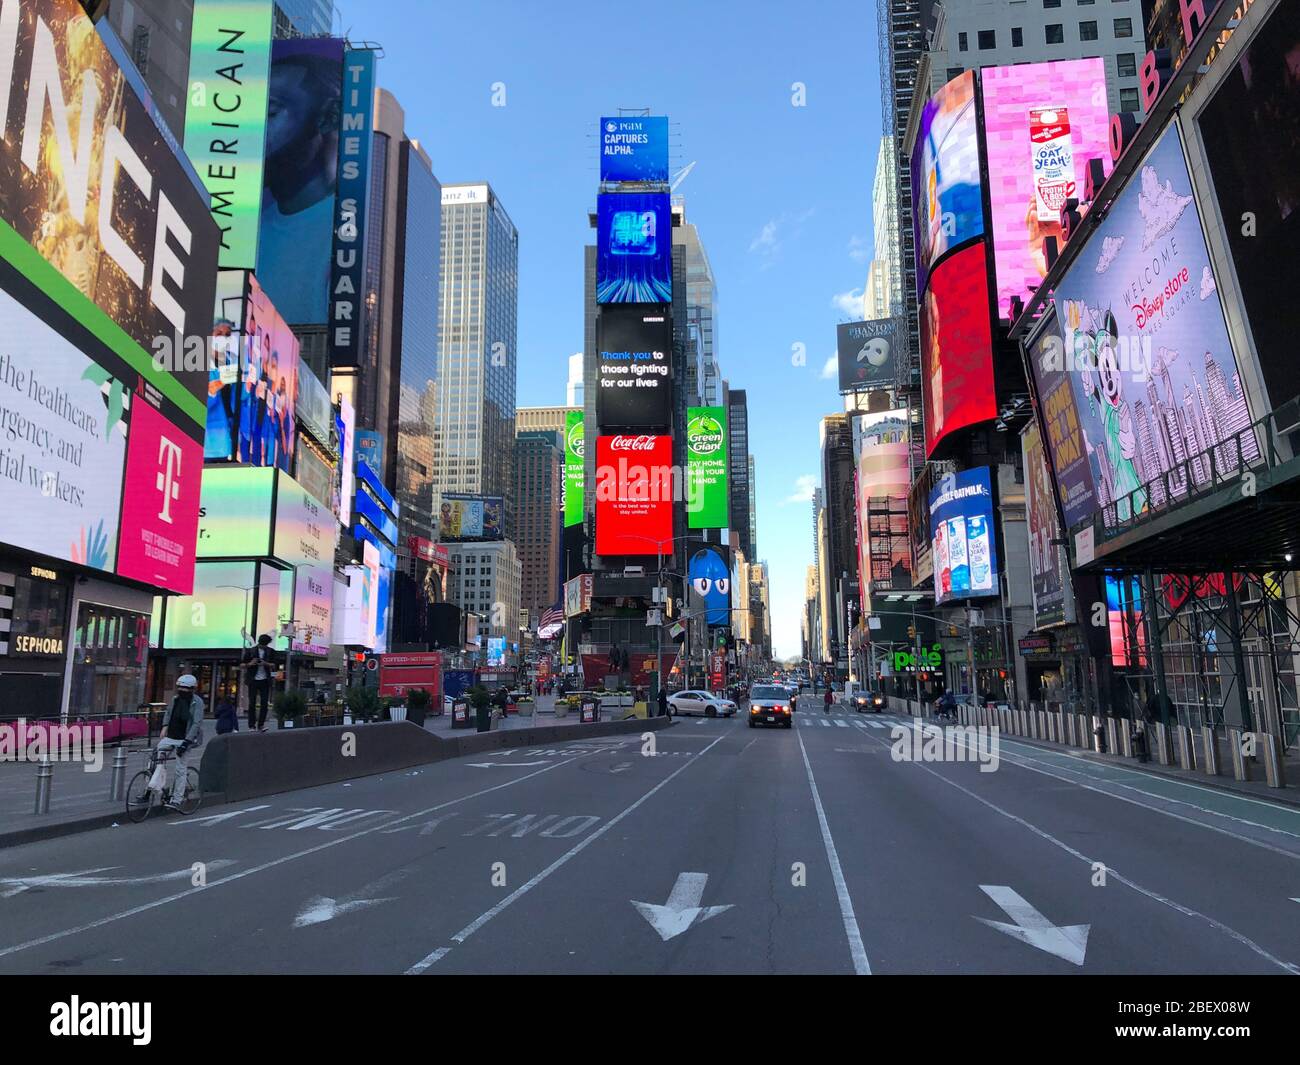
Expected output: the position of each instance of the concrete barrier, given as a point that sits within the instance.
(248, 765)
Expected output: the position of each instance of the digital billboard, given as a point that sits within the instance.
(305, 538)
(218, 610)
(235, 512)
(881, 453)
(347, 264)
(709, 579)
(961, 536)
(1046, 555)
(345, 472)
(225, 117)
(88, 181)
(706, 468)
(634, 248)
(1042, 123)
(634, 495)
(634, 148)
(957, 347)
(313, 472)
(268, 384)
(226, 345)
(574, 448)
(1251, 129)
(634, 362)
(946, 197)
(469, 517)
(300, 177)
(312, 407)
(867, 354)
(1146, 353)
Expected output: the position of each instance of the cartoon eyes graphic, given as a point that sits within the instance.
(703, 584)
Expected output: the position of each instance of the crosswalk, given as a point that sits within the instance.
(835, 719)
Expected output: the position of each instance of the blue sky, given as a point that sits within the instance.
(781, 194)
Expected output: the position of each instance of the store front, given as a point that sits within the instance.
(34, 617)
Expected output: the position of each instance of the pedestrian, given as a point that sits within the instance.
(663, 701)
(182, 728)
(260, 663)
(830, 698)
(227, 716)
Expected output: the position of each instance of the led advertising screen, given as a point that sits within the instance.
(634, 495)
(313, 472)
(469, 517)
(706, 468)
(227, 348)
(867, 352)
(634, 368)
(634, 248)
(300, 176)
(634, 148)
(225, 117)
(957, 347)
(709, 580)
(305, 537)
(574, 448)
(1146, 350)
(88, 181)
(347, 264)
(312, 407)
(268, 384)
(346, 471)
(1251, 129)
(1042, 123)
(881, 452)
(1067, 446)
(235, 512)
(962, 539)
(1046, 557)
(946, 197)
(217, 612)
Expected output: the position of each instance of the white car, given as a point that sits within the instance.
(695, 701)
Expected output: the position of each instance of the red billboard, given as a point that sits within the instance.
(634, 494)
(160, 502)
(400, 673)
(957, 346)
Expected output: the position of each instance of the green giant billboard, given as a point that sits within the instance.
(706, 467)
(573, 453)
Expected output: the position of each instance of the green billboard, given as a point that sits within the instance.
(225, 117)
(706, 467)
(574, 439)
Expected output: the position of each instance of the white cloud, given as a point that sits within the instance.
(849, 303)
(803, 490)
(859, 250)
(766, 243)
(831, 368)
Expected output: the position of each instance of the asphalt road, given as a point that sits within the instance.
(728, 849)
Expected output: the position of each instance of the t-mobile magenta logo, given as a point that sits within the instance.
(169, 476)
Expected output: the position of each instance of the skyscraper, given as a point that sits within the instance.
(701, 307)
(573, 390)
(474, 435)
(739, 486)
(884, 291)
(304, 18)
(539, 466)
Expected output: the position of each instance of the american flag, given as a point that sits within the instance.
(551, 624)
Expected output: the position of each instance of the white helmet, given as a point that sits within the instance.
(187, 681)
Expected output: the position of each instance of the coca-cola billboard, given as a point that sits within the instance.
(634, 494)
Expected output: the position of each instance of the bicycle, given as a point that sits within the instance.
(141, 798)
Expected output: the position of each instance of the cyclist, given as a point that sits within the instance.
(182, 728)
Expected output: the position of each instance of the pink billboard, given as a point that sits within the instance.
(1042, 123)
(160, 502)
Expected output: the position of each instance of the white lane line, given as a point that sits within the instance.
(825, 723)
(519, 892)
(1155, 896)
(145, 907)
(861, 966)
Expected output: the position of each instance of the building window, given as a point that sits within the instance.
(1128, 99)
(962, 43)
(1123, 27)
(1017, 37)
(1126, 65)
(988, 39)
(1051, 3)
(1087, 31)
(1055, 33)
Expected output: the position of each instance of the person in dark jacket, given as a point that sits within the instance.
(663, 701)
(260, 665)
(227, 716)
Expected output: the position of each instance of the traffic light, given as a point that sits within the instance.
(911, 632)
(952, 630)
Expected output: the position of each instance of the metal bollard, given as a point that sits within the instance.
(1163, 754)
(1186, 749)
(117, 785)
(44, 781)
(1125, 738)
(1274, 767)
(1240, 763)
(1210, 741)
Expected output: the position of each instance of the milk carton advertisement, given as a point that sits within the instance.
(1051, 154)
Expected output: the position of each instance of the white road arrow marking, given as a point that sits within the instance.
(683, 909)
(10, 886)
(214, 819)
(513, 765)
(322, 908)
(621, 767)
(1068, 942)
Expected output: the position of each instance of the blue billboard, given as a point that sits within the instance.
(634, 148)
(962, 542)
(634, 248)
